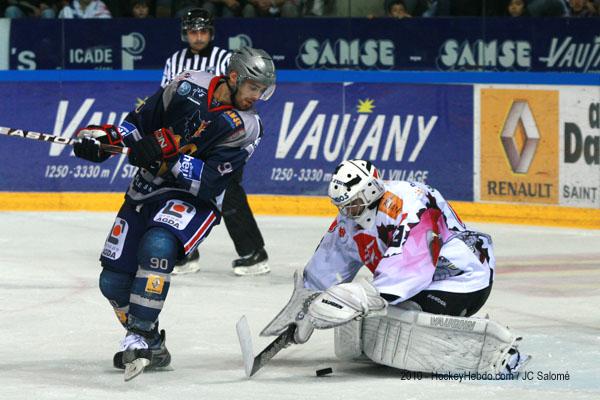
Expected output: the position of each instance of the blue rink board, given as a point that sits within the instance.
(409, 130)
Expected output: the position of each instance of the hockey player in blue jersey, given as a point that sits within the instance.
(187, 140)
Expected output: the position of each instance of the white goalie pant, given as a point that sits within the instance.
(419, 341)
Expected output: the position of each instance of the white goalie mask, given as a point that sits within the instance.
(354, 189)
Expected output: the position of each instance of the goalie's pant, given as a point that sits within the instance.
(140, 253)
(447, 303)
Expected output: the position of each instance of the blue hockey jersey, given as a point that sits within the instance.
(215, 140)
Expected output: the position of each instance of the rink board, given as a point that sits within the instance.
(316, 206)
(522, 153)
(411, 132)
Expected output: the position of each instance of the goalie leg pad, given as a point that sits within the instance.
(418, 341)
(347, 340)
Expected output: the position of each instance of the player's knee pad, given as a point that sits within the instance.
(116, 287)
(158, 250)
(156, 257)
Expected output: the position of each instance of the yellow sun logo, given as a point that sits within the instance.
(365, 106)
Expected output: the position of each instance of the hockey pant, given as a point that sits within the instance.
(140, 253)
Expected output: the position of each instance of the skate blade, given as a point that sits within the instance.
(258, 269)
(135, 368)
(186, 269)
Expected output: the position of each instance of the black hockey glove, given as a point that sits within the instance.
(90, 140)
(161, 145)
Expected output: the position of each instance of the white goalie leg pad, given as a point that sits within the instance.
(348, 337)
(419, 341)
(344, 302)
(347, 340)
(294, 312)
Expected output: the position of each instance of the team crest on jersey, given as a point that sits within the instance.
(176, 213)
(232, 118)
(113, 247)
(201, 128)
(184, 88)
(391, 205)
(368, 250)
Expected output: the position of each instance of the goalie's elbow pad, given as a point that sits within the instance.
(342, 303)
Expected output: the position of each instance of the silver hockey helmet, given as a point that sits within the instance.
(355, 188)
(256, 65)
(196, 19)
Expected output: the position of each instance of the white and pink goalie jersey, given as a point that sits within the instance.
(416, 243)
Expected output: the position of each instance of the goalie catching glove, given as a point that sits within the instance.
(90, 139)
(344, 302)
(161, 145)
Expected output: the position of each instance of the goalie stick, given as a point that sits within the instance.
(45, 137)
(251, 363)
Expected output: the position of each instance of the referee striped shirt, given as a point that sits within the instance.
(212, 59)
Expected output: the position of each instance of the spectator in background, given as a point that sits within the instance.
(30, 8)
(271, 8)
(181, 7)
(517, 8)
(317, 8)
(580, 8)
(224, 8)
(547, 8)
(85, 9)
(396, 9)
(140, 9)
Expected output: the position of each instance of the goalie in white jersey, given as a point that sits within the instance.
(409, 237)
(425, 262)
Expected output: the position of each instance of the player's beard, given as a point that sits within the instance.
(245, 104)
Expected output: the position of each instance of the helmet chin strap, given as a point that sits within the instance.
(232, 91)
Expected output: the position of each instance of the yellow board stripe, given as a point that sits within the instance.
(314, 206)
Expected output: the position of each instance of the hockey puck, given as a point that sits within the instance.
(324, 371)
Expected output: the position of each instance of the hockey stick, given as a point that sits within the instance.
(45, 137)
(253, 364)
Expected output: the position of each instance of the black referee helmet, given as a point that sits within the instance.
(196, 19)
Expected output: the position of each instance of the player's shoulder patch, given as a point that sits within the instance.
(391, 205)
(233, 119)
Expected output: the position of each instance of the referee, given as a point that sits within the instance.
(197, 29)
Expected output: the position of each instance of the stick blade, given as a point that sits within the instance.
(245, 338)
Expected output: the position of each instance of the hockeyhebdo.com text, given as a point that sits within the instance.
(488, 376)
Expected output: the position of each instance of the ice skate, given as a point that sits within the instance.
(256, 263)
(188, 265)
(138, 353)
(515, 362)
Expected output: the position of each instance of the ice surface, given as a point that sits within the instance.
(58, 333)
